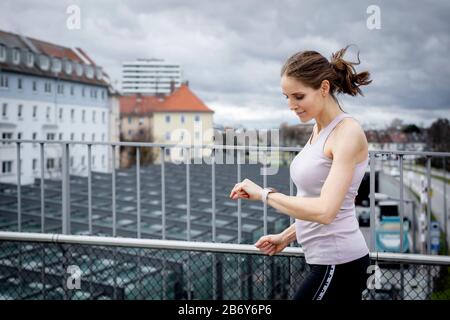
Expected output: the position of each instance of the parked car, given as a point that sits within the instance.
(364, 217)
(394, 172)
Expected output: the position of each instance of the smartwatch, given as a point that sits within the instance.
(265, 192)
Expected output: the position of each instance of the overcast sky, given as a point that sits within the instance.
(232, 51)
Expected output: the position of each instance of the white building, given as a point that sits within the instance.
(150, 77)
(50, 92)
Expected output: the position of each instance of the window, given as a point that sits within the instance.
(103, 94)
(19, 135)
(167, 119)
(60, 89)
(197, 118)
(83, 115)
(82, 92)
(129, 120)
(48, 87)
(72, 90)
(34, 112)
(181, 152)
(2, 53)
(181, 136)
(103, 160)
(19, 83)
(34, 86)
(30, 59)
(93, 161)
(167, 135)
(167, 152)
(50, 163)
(130, 132)
(7, 135)
(34, 165)
(16, 56)
(71, 162)
(4, 110)
(59, 163)
(60, 113)
(103, 117)
(82, 160)
(72, 114)
(47, 115)
(19, 111)
(183, 119)
(72, 136)
(6, 166)
(93, 116)
(50, 136)
(34, 136)
(68, 67)
(4, 82)
(83, 136)
(60, 136)
(103, 137)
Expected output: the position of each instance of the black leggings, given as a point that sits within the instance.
(339, 282)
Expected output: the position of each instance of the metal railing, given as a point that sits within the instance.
(65, 177)
(55, 266)
(65, 185)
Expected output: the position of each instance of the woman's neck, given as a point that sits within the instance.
(329, 112)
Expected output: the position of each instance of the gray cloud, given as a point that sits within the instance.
(232, 51)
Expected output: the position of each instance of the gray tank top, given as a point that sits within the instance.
(340, 241)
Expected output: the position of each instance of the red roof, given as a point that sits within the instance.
(139, 104)
(181, 100)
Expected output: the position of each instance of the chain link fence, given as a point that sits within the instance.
(40, 270)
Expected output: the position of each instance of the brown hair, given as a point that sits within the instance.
(311, 68)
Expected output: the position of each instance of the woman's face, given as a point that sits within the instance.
(304, 101)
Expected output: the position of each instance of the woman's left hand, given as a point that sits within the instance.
(246, 189)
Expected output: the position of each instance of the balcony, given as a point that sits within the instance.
(167, 231)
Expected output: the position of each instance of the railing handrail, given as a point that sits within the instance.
(201, 246)
(214, 146)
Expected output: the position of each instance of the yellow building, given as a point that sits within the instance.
(179, 118)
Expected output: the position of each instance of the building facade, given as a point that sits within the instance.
(50, 92)
(178, 118)
(150, 77)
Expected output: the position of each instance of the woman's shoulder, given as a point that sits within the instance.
(349, 129)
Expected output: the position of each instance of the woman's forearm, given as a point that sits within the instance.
(289, 234)
(309, 209)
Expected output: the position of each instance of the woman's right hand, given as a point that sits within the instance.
(271, 244)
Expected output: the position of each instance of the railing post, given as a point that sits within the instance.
(188, 195)
(90, 188)
(65, 190)
(138, 190)
(163, 194)
(372, 202)
(239, 202)
(400, 163)
(444, 160)
(113, 191)
(42, 189)
(213, 226)
(428, 205)
(19, 191)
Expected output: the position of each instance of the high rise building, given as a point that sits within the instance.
(150, 77)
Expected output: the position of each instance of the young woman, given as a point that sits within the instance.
(327, 173)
